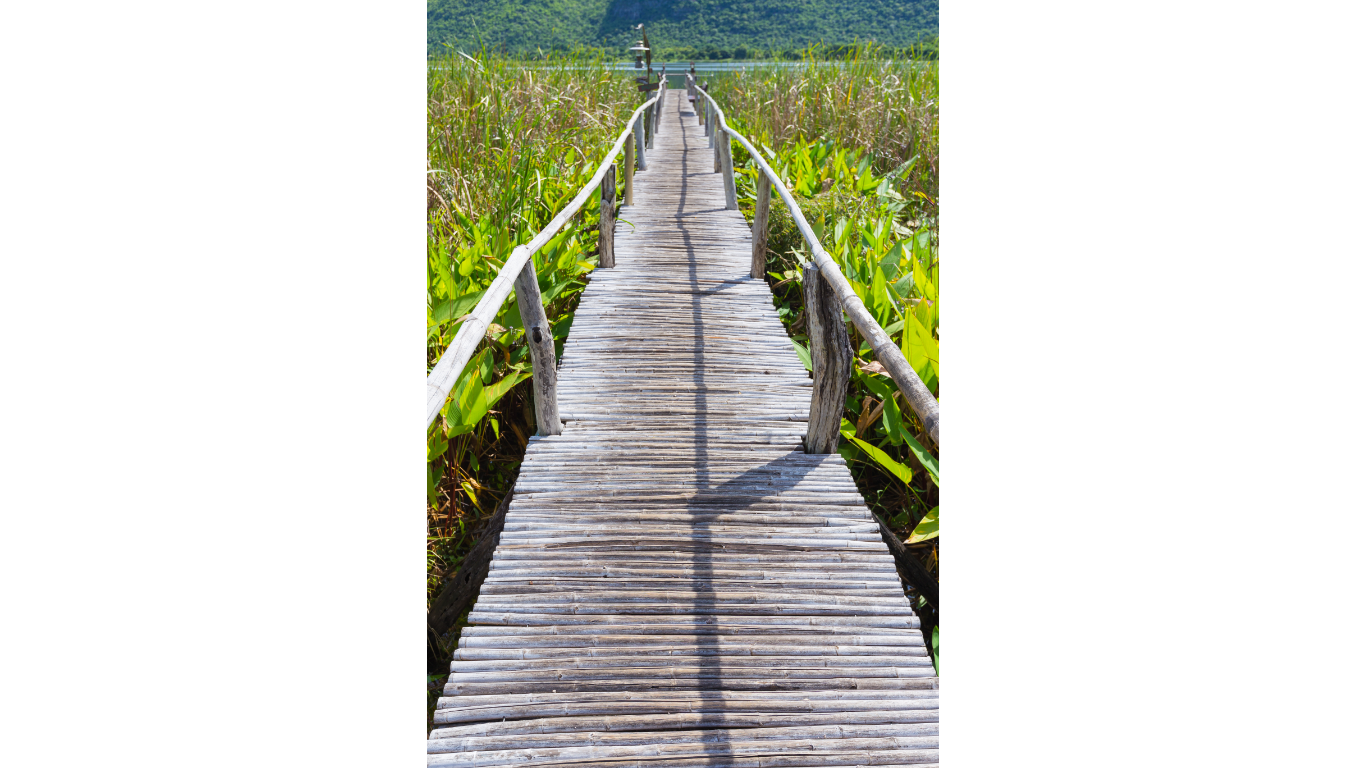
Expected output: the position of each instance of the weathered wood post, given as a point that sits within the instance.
(831, 358)
(629, 168)
(759, 232)
(706, 110)
(727, 171)
(639, 130)
(663, 88)
(542, 346)
(607, 256)
(715, 144)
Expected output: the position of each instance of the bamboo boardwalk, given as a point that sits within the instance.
(677, 583)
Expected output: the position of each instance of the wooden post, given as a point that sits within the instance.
(759, 232)
(728, 171)
(659, 105)
(542, 345)
(629, 167)
(639, 128)
(607, 219)
(831, 358)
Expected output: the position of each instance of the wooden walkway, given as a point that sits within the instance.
(677, 583)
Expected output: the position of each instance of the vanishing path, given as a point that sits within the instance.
(677, 583)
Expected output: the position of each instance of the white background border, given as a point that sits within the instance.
(212, 295)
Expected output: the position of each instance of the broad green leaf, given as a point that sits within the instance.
(927, 287)
(894, 468)
(455, 430)
(485, 398)
(560, 328)
(860, 290)
(447, 310)
(921, 350)
(802, 353)
(927, 528)
(470, 400)
(433, 480)
(866, 181)
(468, 488)
(881, 388)
(486, 367)
(891, 420)
(495, 392)
(934, 643)
(926, 459)
(436, 445)
(877, 294)
(849, 452)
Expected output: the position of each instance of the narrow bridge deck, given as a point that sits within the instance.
(677, 583)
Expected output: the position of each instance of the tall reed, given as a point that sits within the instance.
(509, 143)
(888, 108)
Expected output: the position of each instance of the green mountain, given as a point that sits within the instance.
(677, 28)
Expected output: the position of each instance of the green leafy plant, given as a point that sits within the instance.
(509, 145)
(867, 184)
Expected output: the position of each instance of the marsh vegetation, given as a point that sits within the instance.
(509, 144)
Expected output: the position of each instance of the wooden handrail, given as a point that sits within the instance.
(444, 374)
(924, 404)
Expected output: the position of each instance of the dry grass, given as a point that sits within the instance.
(493, 124)
(889, 109)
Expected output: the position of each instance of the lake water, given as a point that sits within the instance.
(676, 69)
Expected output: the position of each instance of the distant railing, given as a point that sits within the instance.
(520, 272)
(831, 356)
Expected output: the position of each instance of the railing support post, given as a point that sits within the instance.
(639, 130)
(663, 88)
(727, 171)
(629, 168)
(759, 232)
(542, 346)
(607, 256)
(831, 358)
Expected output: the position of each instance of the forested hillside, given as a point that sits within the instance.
(677, 28)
